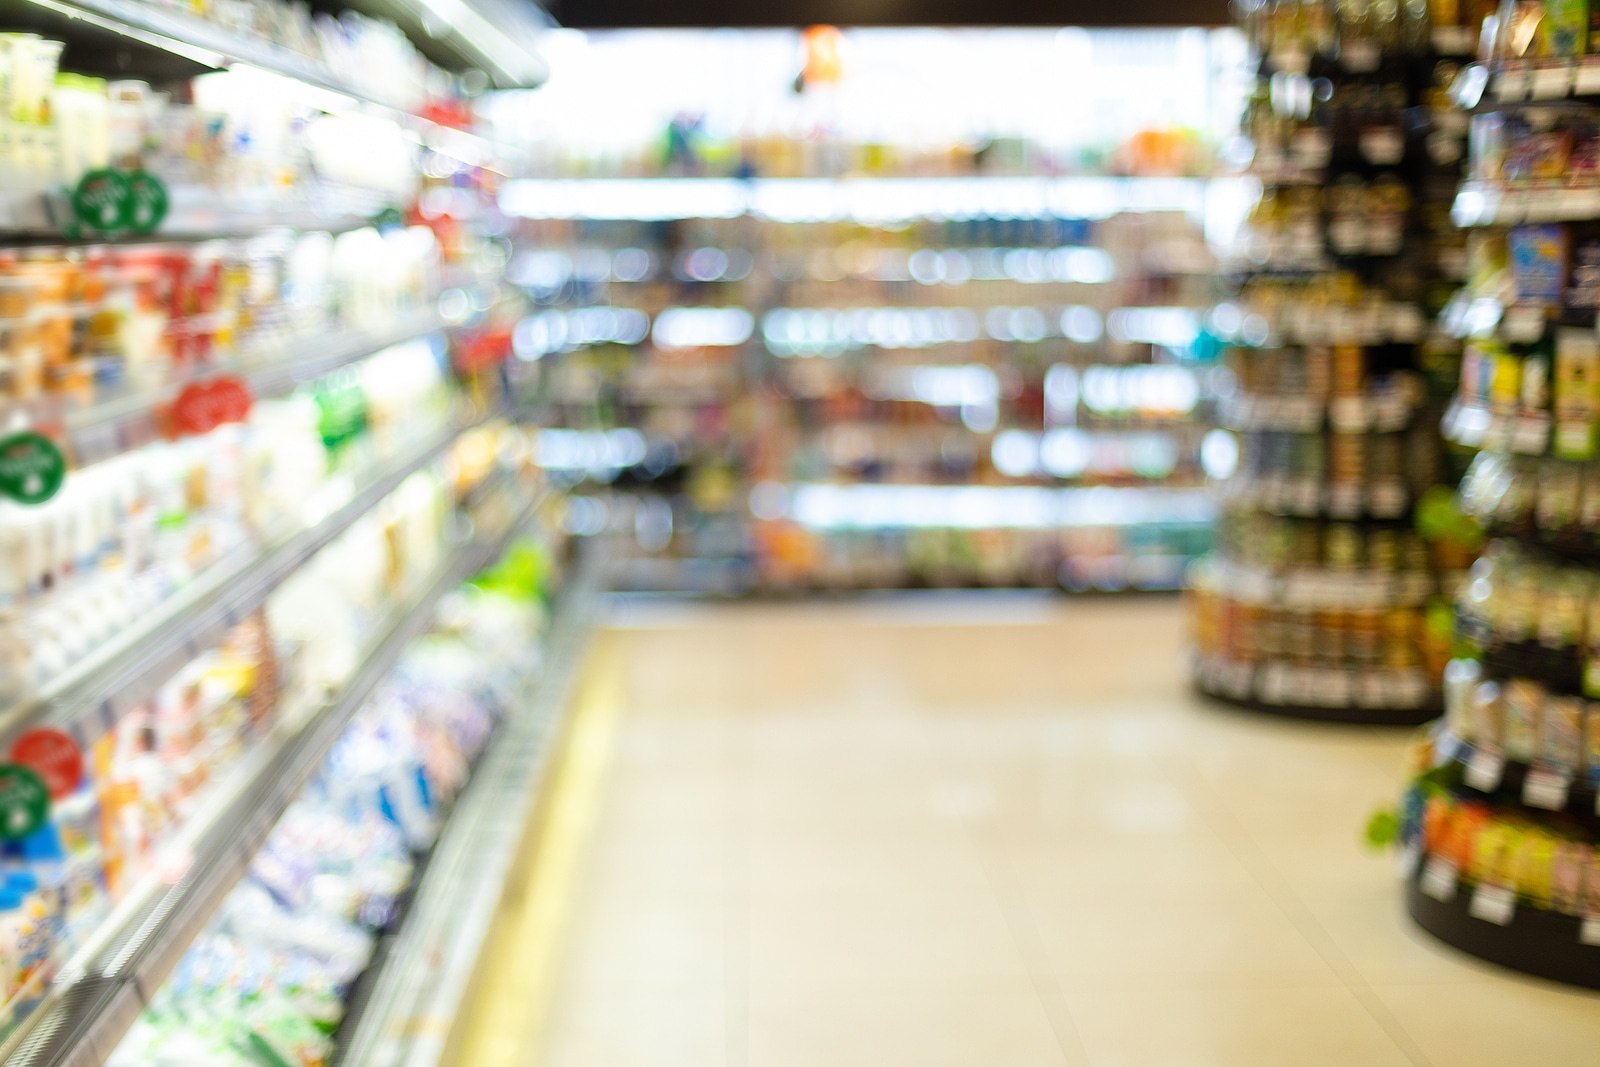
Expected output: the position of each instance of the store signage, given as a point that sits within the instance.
(113, 200)
(54, 756)
(24, 801)
(32, 467)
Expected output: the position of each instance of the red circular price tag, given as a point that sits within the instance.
(55, 756)
(203, 406)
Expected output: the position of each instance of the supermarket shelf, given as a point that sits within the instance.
(1346, 713)
(98, 997)
(1369, 697)
(1535, 941)
(862, 199)
(1506, 204)
(128, 419)
(211, 44)
(29, 219)
(1514, 83)
(1507, 784)
(411, 1005)
(1312, 498)
(91, 696)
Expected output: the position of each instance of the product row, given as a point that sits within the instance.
(123, 535)
(1551, 502)
(1507, 860)
(1345, 475)
(84, 324)
(275, 968)
(1349, 635)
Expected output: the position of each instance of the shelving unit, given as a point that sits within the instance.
(1503, 811)
(118, 964)
(101, 992)
(1322, 601)
(88, 699)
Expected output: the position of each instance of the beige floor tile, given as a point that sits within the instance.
(1268, 1026)
(880, 936)
(864, 833)
(635, 1024)
(948, 1024)
(1175, 934)
(1499, 1023)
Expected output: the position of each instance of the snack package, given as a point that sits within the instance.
(1566, 877)
(1524, 700)
(1539, 260)
(1562, 728)
(1487, 722)
(1533, 871)
(1577, 376)
(1564, 31)
(1591, 883)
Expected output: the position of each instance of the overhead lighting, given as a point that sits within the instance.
(702, 327)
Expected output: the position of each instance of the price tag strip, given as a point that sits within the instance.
(1485, 770)
(1440, 878)
(1493, 904)
(1546, 788)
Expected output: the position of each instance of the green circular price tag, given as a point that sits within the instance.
(24, 801)
(32, 468)
(101, 199)
(147, 202)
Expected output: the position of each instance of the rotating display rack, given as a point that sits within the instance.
(1501, 824)
(1327, 595)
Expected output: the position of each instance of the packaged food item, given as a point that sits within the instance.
(1487, 716)
(1564, 31)
(1539, 262)
(1562, 724)
(1566, 877)
(1521, 708)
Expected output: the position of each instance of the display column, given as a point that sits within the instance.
(1337, 543)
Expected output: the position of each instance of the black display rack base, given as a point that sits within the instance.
(1348, 713)
(1541, 943)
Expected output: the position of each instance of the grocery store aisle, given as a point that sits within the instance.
(971, 831)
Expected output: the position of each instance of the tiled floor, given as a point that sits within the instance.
(997, 833)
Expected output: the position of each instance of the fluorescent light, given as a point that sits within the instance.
(696, 327)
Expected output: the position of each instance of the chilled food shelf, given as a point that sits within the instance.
(100, 992)
(210, 44)
(194, 215)
(408, 1011)
(126, 419)
(90, 697)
